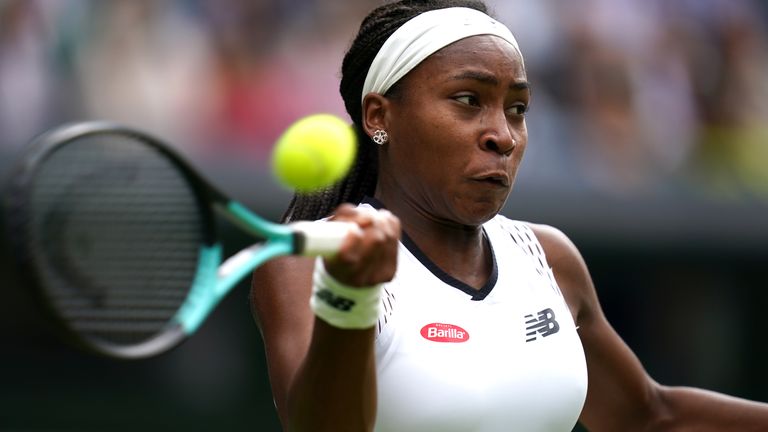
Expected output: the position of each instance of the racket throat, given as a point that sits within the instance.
(204, 294)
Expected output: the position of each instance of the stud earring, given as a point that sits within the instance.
(380, 137)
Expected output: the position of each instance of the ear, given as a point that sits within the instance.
(375, 113)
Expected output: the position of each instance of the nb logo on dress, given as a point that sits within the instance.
(542, 324)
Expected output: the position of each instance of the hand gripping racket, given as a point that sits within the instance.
(117, 235)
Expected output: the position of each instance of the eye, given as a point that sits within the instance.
(518, 109)
(467, 100)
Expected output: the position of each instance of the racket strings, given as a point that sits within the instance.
(115, 229)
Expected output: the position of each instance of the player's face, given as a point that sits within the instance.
(457, 130)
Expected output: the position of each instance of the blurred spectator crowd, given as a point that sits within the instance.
(630, 97)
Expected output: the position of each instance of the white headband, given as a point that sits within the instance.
(421, 37)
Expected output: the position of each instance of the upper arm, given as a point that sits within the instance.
(621, 395)
(280, 293)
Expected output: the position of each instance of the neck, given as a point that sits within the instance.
(459, 250)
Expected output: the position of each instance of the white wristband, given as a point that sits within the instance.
(343, 306)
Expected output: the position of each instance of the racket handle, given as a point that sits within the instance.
(320, 238)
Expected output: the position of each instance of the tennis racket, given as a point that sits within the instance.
(117, 236)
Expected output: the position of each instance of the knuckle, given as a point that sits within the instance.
(378, 236)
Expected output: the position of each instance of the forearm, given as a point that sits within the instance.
(689, 409)
(335, 388)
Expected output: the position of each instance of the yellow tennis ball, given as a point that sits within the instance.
(314, 152)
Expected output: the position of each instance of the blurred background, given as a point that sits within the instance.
(648, 146)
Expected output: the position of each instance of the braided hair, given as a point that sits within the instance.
(362, 177)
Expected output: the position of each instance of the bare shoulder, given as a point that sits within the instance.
(569, 269)
(556, 244)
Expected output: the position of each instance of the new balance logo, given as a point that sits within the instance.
(337, 302)
(542, 323)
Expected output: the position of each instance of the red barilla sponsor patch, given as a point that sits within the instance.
(440, 332)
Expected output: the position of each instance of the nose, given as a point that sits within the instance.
(497, 147)
(498, 136)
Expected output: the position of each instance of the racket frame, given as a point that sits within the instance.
(214, 277)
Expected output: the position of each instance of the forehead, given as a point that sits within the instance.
(485, 51)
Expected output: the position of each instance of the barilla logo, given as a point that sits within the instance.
(439, 332)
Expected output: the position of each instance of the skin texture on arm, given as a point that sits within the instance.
(323, 378)
(622, 396)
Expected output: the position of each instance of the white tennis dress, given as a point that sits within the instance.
(505, 358)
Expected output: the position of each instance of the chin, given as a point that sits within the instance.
(476, 213)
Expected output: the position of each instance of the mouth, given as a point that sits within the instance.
(497, 179)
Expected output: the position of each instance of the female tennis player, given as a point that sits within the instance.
(439, 314)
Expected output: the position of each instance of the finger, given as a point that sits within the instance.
(369, 257)
(377, 229)
(363, 216)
